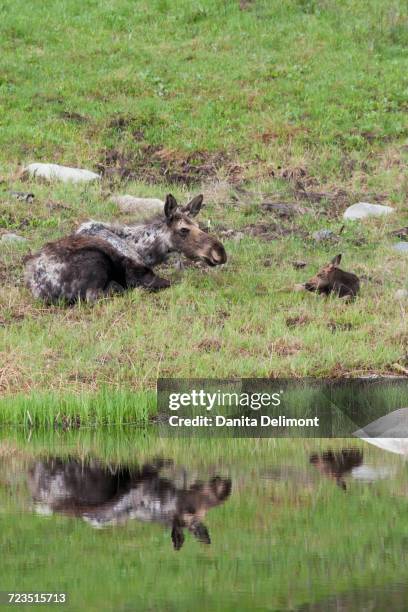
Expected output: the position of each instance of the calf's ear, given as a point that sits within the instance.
(170, 206)
(336, 260)
(193, 208)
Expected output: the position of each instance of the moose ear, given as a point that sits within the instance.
(170, 206)
(193, 208)
(336, 260)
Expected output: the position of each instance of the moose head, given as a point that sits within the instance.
(185, 235)
(193, 505)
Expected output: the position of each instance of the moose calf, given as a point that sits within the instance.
(332, 279)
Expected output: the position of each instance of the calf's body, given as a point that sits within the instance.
(331, 279)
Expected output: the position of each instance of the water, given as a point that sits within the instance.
(129, 521)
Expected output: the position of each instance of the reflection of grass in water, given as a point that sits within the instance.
(369, 400)
(276, 544)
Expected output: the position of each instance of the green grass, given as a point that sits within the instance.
(276, 543)
(48, 410)
(280, 98)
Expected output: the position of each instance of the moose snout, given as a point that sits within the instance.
(218, 255)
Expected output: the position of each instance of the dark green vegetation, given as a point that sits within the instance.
(300, 101)
(287, 536)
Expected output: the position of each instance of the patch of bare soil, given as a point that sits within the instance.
(10, 274)
(209, 344)
(297, 321)
(73, 116)
(153, 164)
(271, 231)
(294, 174)
(285, 348)
(246, 5)
(55, 206)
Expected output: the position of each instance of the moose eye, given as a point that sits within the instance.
(184, 231)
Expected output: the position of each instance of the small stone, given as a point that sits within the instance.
(401, 294)
(298, 265)
(238, 236)
(324, 234)
(51, 172)
(362, 210)
(401, 247)
(22, 196)
(402, 232)
(10, 237)
(142, 206)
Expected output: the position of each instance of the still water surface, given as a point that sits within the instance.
(133, 522)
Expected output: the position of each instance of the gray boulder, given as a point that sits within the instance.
(55, 172)
(10, 238)
(139, 206)
(362, 210)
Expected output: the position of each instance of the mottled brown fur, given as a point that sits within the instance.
(87, 268)
(109, 495)
(332, 279)
(103, 258)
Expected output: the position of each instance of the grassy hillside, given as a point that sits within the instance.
(302, 101)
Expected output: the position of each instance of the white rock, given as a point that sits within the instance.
(401, 294)
(51, 172)
(361, 210)
(10, 237)
(132, 204)
(401, 247)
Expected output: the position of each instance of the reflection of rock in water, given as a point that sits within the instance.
(335, 465)
(105, 496)
(389, 432)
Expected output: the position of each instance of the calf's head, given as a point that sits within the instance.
(194, 504)
(185, 235)
(324, 280)
(332, 278)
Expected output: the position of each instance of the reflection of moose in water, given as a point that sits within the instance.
(335, 465)
(104, 496)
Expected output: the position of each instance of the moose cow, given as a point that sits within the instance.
(105, 496)
(103, 258)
